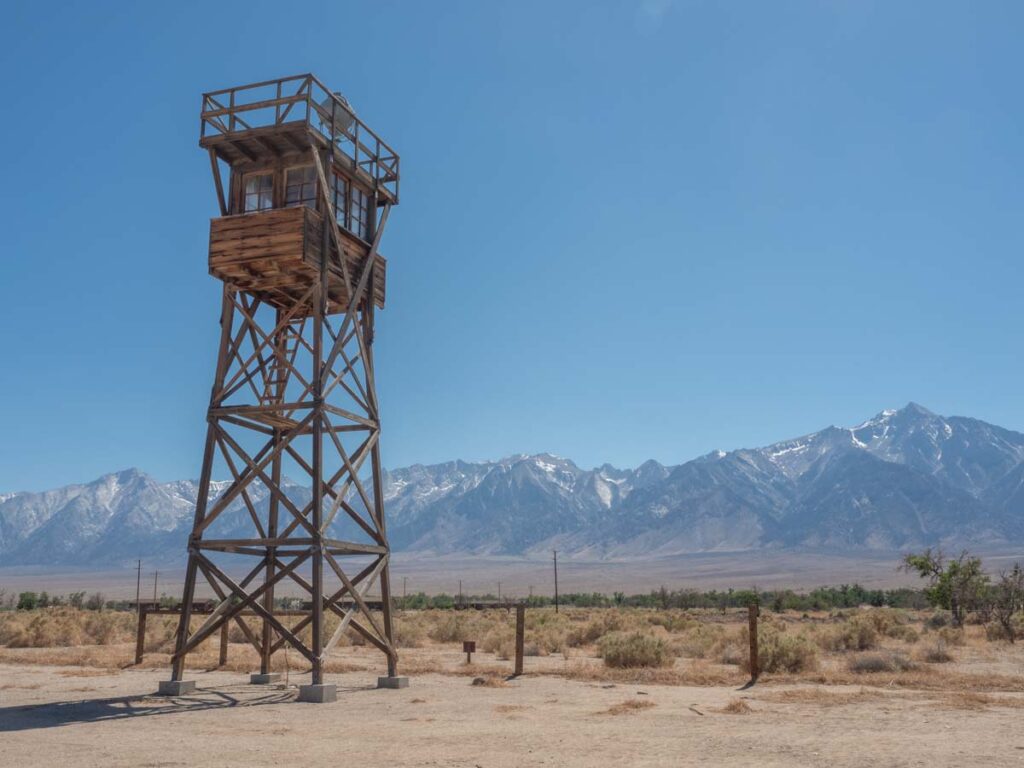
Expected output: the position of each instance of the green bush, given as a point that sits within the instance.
(27, 601)
(634, 649)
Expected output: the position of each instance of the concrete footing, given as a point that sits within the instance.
(392, 682)
(318, 694)
(176, 687)
(264, 679)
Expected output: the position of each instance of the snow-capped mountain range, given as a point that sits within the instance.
(902, 479)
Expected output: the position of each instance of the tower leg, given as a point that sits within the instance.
(188, 594)
(227, 313)
(319, 298)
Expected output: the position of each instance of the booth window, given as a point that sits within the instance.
(339, 198)
(300, 187)
(359, 213)
(259, 192)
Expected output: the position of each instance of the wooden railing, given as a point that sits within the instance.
(302, 99)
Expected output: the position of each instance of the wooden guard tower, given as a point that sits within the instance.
(290, 493)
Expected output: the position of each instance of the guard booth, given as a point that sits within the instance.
(297, 154)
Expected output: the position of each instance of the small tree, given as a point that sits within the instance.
(76, 599)
(957, 585)
(95, 602)
(44, 600)
(1008, 600)
(27, 601)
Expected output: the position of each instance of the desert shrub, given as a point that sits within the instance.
(237, 635)
(672, 621)
(952, 636)
(547, 631)
(937, 621)
(936, 653)
(731, 653)
(906, 633)
(594, 629)
(857, 634)
(699, 641)
(879, 662)
(782, 652)
(886, 621)
(634, 649)
(451, 628)
(996, 631)
(408, 633)
(160, 634)
(499, 641)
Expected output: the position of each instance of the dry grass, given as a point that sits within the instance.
(698, 648)
(736, 707)
(490, 681)
(822, 698)
(693, 673)
(978, 702)
(628, 707)
(935, 653)
(85, 672)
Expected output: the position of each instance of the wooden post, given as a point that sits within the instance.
(223, 644)
(555, 553)
(520, 635)
(140, 636)
(755, 669)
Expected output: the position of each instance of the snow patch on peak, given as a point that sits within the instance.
(792, 448)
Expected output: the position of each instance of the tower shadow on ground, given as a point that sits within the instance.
(55, 714)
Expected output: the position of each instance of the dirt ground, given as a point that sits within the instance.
(75, 716)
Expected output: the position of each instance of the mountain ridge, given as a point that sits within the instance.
(903, 478)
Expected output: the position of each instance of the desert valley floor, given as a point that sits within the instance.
(864, 687)
(73, 717)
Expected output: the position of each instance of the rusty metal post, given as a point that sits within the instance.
(755, 669)
(223, 644)
(520, 636)
(140, 635)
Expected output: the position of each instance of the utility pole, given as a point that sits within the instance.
(155, 575)
(460, 591)
(555, 553)
(531, 591)
(499, 591)
(138, 589)
(405, 581)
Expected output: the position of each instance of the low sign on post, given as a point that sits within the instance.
(469, 648)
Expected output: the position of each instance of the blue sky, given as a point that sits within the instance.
(627, 230)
